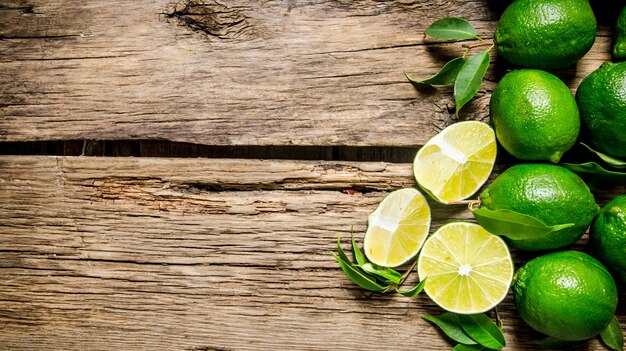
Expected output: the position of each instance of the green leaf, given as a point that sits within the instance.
(384, 273)
(514, 225)
(446, 75)
(483, 330)
(461, 347)
(356, 252)
(593, 172)
(451, 28)
(617, 163)
(612, 336)
(469, 79)
(357, 277)
(414, 291)
(553, 343)
(342, 254)
(449, 323)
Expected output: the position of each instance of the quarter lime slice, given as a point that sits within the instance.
(397, 229)
(455, 163)
(469, 270)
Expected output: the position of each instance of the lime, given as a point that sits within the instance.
(601, 99)
(547, 34)
(608, 235)
(397, 228)
(535, 115)
(455, 163)
(551, 194)
(468, 269)
(619, 48)
(568, 295)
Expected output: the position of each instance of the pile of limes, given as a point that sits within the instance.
(567, 295)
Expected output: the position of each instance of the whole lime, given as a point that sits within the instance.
(608, 235)
(550, 193)
(619, 47)
(535, 115)
(568, 295)
(547, 34)
(601, 99)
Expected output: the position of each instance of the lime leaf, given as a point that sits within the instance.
(617, 163)
(461, 347)
(554, 343)
(469, 79)
(342, 255)
(612, 336)
(594, 173)
(483, 330)
(446, 75)
(449, 323)
(514, 225)
(414, 291)
(356, 252)
(383, 273)
(451, 28)
(357, 277)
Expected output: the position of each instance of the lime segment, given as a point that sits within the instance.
(397, 228)
(455, 163)
(469, 270)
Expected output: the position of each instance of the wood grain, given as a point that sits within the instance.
(240, 72)
(198, 254)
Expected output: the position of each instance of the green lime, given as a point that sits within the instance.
(535, 115)
(568, 295)
(550, 193)
(601, 99)
(548, 34)
(619, 48)
(608, 235)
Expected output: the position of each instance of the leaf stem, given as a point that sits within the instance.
(408, 271)
(473, 203)
(469, 203)
(465, 53)
(477, 45)
(498, 319)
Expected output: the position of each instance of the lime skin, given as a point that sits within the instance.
(619, 48)
(551, 194)
(601, 98)
(568, 295)
(608, 236)
(535, 115)
(546, 34)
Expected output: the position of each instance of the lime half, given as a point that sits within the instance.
(455, 163)
(468, 269)
(397, 229)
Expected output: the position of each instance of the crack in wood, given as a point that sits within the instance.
(212, 18)
(26, 9)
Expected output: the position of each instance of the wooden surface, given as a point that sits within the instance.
(239, 72)
(216, 253)
(143, 253)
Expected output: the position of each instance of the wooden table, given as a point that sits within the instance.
(157, 253)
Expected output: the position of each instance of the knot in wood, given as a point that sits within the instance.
(209, 16)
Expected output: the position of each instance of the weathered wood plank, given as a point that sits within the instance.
(241, 72)
(197, 254)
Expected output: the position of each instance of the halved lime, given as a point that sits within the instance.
(397, 229)
(469, 270)
(455, 163)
